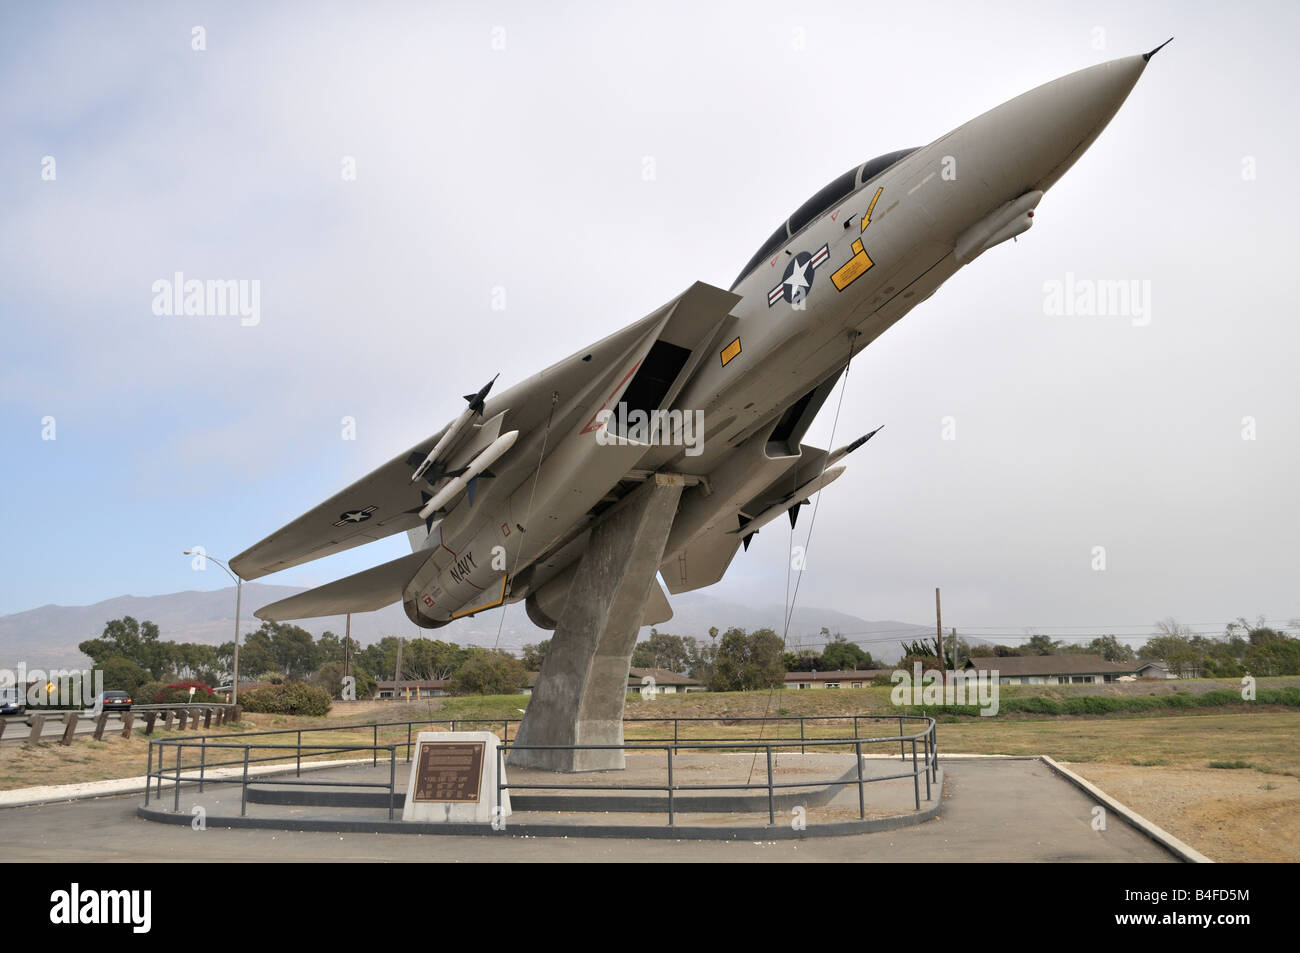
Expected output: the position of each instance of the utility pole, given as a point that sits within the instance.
(397, 674)
(938, 624)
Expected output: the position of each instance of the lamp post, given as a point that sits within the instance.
(239, 596)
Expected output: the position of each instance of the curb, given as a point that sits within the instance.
(55, 793)
(1182, 851)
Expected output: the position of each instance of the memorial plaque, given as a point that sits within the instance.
(449, 771)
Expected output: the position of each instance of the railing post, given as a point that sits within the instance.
(916, 781)
(675, 735)
(298, 767)
(500, 774)
(672, 815)
(771, 796)
(176, 804)
(243, 787)
(69, 728)
(902, 743)
(862, 795)
(801, 738)
(203, 761)
(148, 776)
(927, 766)
(408, 742)
(127, 721)
(392, 777)
(374, 747)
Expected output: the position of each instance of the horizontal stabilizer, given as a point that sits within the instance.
(657, 609)
(363, 592)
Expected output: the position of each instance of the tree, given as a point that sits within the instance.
(293, 649)
(121, 674)
(1041, 645)
(129, 639)
(489, 673)
(661, 650)
(535, 655)
(804, 660)
(256, 654)
(432, 659)
(1111, 649)
(329, 677)
(1173, 644)
(842, 655)
(745, 662)
(699, 657)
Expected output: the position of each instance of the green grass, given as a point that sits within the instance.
(1231, 765)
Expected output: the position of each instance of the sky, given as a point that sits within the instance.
(500, 154)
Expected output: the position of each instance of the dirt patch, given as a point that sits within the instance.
(1228, 815)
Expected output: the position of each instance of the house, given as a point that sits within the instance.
(665, 681)
(1154, 668)
(1053, 669)
(410, 689)
(860, 678)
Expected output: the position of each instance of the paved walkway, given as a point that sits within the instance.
(993, 811)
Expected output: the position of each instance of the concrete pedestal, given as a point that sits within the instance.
(579, 696)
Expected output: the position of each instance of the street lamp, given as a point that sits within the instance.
(239, 595)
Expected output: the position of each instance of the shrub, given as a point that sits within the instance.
(178, 693)
(291, 698)
(149, 691)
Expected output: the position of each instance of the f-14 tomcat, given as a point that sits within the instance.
(502, 503)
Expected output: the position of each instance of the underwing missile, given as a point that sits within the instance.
(490, 455)
(797, 497)
(839, 454)
(458, 425)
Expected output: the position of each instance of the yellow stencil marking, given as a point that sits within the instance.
(866, 219)
(730, 351)
(858, 265)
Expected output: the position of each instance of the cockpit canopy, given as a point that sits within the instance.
(823, 201)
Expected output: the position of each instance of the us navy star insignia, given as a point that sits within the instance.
(799, 276)
(355, 516)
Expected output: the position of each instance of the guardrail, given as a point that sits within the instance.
(37, 718)
(919, 747)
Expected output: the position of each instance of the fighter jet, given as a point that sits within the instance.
(711, 393)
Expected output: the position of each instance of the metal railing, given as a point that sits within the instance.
(917, 749)
(177, 774)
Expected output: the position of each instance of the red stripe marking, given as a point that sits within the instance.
(589, 428)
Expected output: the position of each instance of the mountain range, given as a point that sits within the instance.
(47, 637)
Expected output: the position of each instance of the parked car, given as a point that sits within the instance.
(113, 701)
(11, 701)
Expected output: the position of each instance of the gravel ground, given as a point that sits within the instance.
(1226, 814)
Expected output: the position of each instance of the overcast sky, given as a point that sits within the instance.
(504, 146)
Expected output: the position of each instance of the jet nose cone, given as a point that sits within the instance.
(1069, 113)
(1029, 142)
